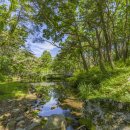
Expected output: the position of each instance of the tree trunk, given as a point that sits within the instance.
(108, 50)
(101, 64)
(85, 65)
(116, 51)
(126, 39)
(83, 58)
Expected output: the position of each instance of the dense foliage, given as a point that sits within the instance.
(16, 60)
(93, 32)
(93, 37)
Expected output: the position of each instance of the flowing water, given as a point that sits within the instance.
(51, 105)
(99, 114)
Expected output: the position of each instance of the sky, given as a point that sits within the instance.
(37, 45)
(37, 48)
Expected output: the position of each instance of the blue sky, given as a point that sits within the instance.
(37, 45)
(37, 48)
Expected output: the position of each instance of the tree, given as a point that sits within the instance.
(46, 59)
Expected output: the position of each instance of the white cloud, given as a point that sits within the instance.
(45, 46)
(38, 48)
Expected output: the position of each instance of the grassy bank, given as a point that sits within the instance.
(95, 84)
(13, 90)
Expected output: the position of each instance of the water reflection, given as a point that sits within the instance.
(52, 106)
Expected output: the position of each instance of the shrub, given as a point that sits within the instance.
(85, 89)
(2, 78)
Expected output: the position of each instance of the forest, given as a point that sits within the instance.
(90, 74)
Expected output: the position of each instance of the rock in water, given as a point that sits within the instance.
(54, 107)
(56, 122)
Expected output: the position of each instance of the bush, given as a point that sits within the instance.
(85, 89)
(2, 78)
(94, 77)
(94, 84)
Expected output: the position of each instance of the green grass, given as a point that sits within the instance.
(13, 90)
(113, 84)
(116, 87)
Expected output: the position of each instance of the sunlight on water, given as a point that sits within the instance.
(52, 107)
(46, 110)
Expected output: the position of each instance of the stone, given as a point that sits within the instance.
(29, 105)
(2, 128)
(15, 112)
(20, 129)
(11, 125)
(21, 124)
(53, 107)
(19, 118)
(126, 128)
(106, 114)
(37, 120)
(45, 118)
(33, 126)
(6, 115)
(83, 127)
(120, 105)
(9, 100)
(1, 110)
(56, 122)
(1, 118)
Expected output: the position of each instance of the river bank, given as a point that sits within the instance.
(34, 106)
(24, 113)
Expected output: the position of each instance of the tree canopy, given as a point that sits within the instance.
(91, 33)
(98, 30)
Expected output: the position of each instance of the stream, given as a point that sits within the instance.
(50, 104)
(97, 114)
